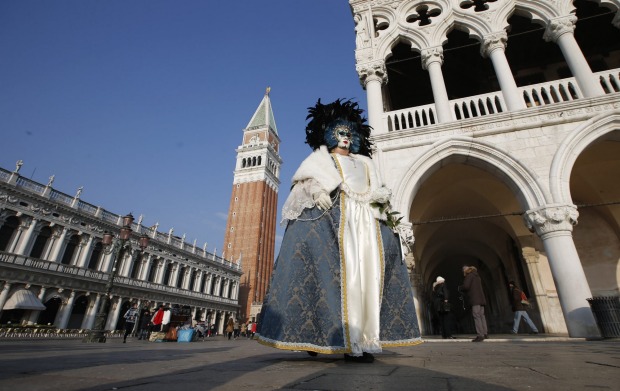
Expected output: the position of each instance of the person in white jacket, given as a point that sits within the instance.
(339, 284)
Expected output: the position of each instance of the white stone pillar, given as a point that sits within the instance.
(174, 275)
(115, 309)
(66, 311)
(198, 283)
(34, 315)
(26, 240)
(494, 46)
(554, 225)
(209, 283)
(372, 76)
(547, 300)
(59, 244)
(432, 59)
(162, 264)
(91, 311)
(225, 290)
(145, 267)
(560, 31)
(4, 295)
(218, 284)
(86, 251)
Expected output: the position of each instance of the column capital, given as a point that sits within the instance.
(431, 55)
(492, 42)
(558, 27)
(530, 255)
(551, 218)
(372, 71)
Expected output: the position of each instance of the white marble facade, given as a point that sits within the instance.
(504, 185)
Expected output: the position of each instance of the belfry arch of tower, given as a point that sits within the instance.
(465, 199)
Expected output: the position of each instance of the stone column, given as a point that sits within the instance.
(554, 225)
(66, 311)
(91, 311)
(174, 276)
(198, 284)
(60, 234)
(372, 76)
(86, 246)
(209, 283)
(115, 309)
(34, 315)
(560, 31)
(494, 46)
(28, 223)
(432, 59)
(161, 271)
(145, 268)
(218, 284)
(4, 295)
(548, 303)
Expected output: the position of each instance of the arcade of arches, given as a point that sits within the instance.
(54, 267)
(466, 212)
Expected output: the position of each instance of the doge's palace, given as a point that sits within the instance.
(497, 126)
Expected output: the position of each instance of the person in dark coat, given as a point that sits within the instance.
(472, 285)
(442, 307)
(145, 325)
(520, 309)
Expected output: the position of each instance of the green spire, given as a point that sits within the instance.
(263, 117)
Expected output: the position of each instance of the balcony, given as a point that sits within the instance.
(535, 95)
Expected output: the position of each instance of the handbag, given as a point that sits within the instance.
(524, 300)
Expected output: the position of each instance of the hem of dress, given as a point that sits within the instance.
(332, 349)
(302, 346)
(404, 342)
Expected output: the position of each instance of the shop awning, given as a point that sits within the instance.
(23, 300)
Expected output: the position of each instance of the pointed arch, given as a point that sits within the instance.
(572, 147)
(467, 150)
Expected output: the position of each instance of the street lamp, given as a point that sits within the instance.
(117, 246)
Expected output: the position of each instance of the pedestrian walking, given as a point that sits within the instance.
(520, 304)
(145, 325)
(230, 328)
(131, 316)
(472, 286)
(442, 307)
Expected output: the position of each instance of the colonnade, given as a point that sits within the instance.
(373, 73)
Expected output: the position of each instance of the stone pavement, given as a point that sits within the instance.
(500, 363)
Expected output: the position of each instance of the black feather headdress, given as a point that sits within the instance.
(322, 116)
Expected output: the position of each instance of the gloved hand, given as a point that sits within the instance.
(322, 200)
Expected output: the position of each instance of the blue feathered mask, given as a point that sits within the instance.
(324, 119)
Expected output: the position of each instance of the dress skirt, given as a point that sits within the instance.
(305, 308)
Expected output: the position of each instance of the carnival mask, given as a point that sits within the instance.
(343, 135)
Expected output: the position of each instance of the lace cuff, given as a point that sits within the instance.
(299, 199)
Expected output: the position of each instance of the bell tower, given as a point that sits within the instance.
(251, 227)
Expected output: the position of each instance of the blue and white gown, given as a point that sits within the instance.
(339, 284)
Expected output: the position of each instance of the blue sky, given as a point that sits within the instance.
(143, 102)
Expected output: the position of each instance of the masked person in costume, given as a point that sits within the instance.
(339, 284)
